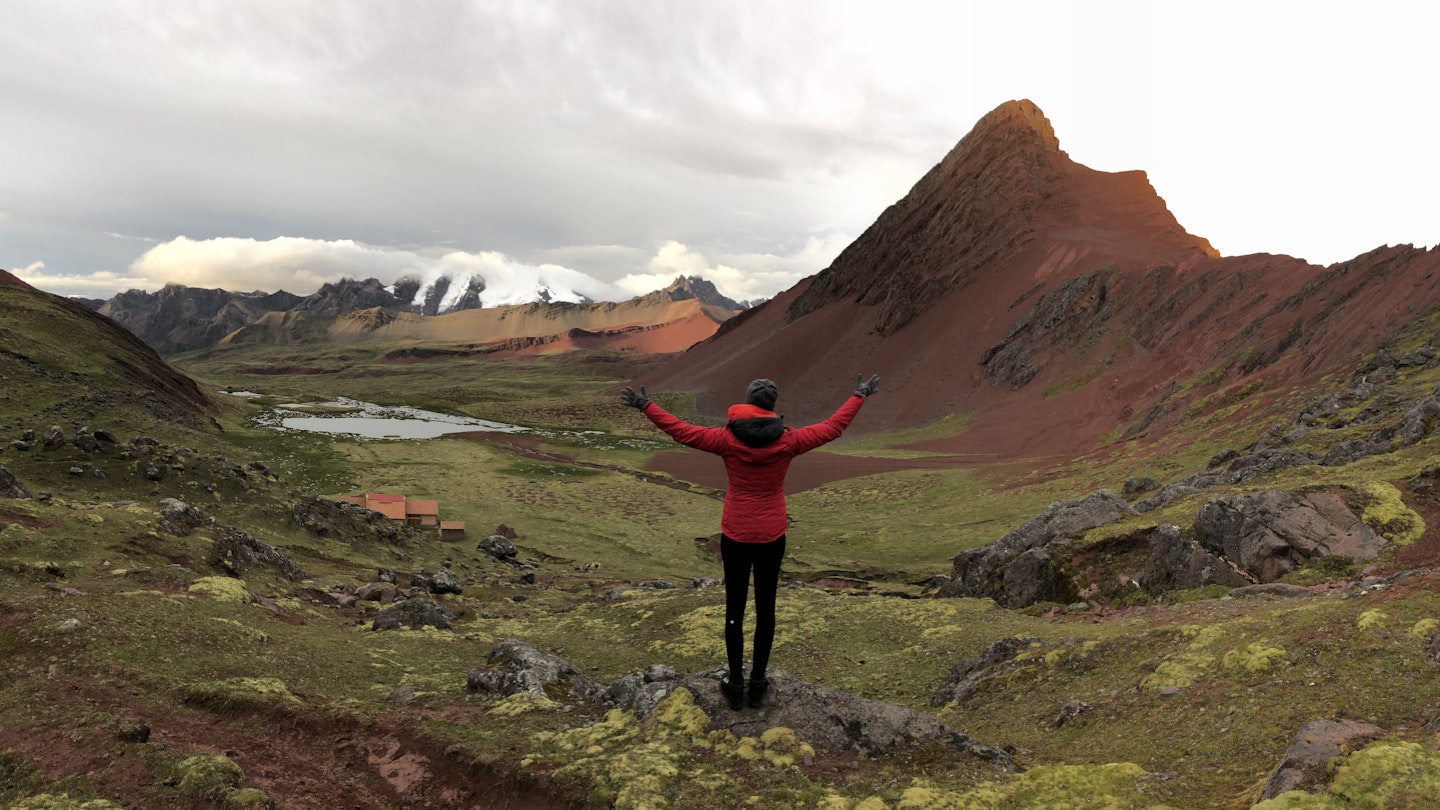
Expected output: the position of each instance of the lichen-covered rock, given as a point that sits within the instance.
(498, 547)
(416, 614)
(1176, 563)
(966, 676)
(826, 718)
(515, 666)
(441, 581)
(382, 592)
(1136, 485)
(54, 438)
(987, 571)
(1272, 533)
(1282, 590)
(10, 486)
(235, 552)
(178, 517)
(1306, 763)
(348, 523)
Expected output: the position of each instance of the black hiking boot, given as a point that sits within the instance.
(734, 693)
(758, 688)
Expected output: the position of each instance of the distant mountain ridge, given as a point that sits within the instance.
(178, 319)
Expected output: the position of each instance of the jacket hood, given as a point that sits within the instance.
(754, 426)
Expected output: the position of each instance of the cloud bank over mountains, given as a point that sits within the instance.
(301, 266)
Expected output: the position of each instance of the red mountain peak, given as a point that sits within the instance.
(1004, 191)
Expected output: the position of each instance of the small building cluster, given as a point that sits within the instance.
(417, 512)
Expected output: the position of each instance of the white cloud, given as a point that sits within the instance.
(301, 266)
(94, 285)
(741, 276)
(290, 263)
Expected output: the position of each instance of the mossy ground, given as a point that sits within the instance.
(1189, 705)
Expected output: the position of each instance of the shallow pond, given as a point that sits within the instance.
(367, 420)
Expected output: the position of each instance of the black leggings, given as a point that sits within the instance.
(739, 558)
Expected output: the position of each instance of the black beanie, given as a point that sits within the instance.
(762, 393)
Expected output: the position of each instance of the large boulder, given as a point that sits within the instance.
(415, 614)
(236, 552)
(1176, 563)
(1306, 763)
(826, 718)
(10, 486)
(515, 666)
(498, 546)
(996, 570)
(178, 517)
(1272, 533)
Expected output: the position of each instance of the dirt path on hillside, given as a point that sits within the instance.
(303, 760)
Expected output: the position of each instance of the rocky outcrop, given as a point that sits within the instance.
(416, 613)
(441, 581)
(966, 676)
(348, 523)
(515, 666)
(826, 718)
(1270, 534)
(179, 518)
(236, 552)
(1018, 569)
(10, 486)
(1307, 760)
(1179, 563)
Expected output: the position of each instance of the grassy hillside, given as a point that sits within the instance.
(258, 688)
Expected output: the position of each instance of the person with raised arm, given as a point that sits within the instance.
(756, 446)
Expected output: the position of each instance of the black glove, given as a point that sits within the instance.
(865, 389)
(634, 400)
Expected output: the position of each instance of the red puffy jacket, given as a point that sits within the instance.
(756, 447)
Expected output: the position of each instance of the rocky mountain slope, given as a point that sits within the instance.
(57, 355)
(176, 318)
(1053, 305)
(179, 319)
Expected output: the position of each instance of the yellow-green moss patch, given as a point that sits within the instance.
(225, 589)
(1387, 514)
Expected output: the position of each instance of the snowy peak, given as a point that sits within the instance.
(442, 294)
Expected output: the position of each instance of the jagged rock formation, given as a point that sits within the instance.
(1270, 534)
(177, 319)
(1020, 569)
(686, 288)
(348, 295)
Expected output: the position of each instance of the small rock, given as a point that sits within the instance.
(135, 730)
(67, 626)
(403, 694)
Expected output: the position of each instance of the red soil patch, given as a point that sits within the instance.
(302, 760)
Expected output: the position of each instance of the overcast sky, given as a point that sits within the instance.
(285, 143)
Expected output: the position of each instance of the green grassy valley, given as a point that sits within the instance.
(149, 663)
